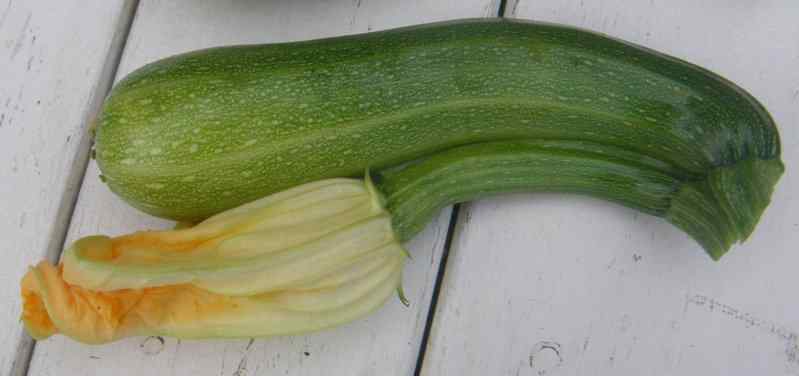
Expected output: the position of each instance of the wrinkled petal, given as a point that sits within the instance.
(305, 259)
(185, 311)
(293, 236)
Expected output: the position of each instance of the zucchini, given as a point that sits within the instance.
(718, 210)
(196, 134)
(441, 113)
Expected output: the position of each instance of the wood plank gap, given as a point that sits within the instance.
(502, 7)
(442, 266)
(431, 312)
(66, 206)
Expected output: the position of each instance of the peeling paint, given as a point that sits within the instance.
(545, 357)
(5, 12)
(21, 39)
(152, 345)
(790, 337)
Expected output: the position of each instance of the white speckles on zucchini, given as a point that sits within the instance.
(293, 113)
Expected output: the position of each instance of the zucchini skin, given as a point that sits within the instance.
(195, 134)
(717, 210)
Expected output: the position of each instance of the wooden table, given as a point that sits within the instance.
(502, 287)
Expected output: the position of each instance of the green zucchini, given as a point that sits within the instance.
(196, 134)
(717, 211)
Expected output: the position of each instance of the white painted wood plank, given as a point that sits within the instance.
(384, 343)
(53, 57)
(550, 284)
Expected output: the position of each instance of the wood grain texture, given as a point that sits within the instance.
(386, 342)
(54, 75)
(552, 284)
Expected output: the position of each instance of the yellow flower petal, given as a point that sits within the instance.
(304, 259)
